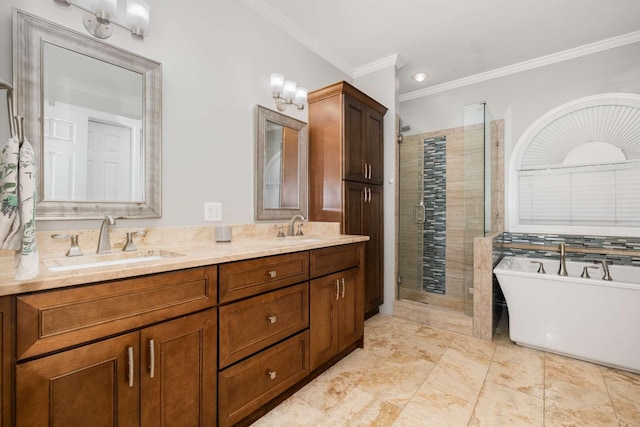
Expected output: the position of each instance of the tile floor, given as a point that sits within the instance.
(413, 375)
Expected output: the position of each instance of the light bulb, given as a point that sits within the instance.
(289, 90)
(277, 83)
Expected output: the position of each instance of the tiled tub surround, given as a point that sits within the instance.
(196, 245)
(488, 299)
(619, 250)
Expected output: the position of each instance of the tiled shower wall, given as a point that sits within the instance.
(435, 215)
(462, 192)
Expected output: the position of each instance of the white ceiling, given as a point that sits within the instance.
(452, 39)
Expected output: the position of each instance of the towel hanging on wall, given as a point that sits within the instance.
(18, 205)
(17, 195)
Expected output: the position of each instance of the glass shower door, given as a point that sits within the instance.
(411, 213)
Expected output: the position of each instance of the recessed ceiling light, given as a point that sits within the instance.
(420, 76)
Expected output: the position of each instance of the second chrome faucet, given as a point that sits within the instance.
(104, 244)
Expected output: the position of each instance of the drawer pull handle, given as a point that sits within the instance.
(272, 374)
(337, 289)
(342, 287)
(152, 359)
(272, 319)
(131, 372)
(272, 274)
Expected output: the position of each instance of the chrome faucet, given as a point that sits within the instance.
(104, 245)
(292, 224)
(562, 270)
(605, 268)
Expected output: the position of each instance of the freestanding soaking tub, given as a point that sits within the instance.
(589, 319)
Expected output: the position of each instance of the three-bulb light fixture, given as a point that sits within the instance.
(287, 92)
(101, 14)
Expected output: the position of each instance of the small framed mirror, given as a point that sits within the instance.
(93, 115)
(281, 166)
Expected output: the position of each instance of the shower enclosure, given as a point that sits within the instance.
(444, 202)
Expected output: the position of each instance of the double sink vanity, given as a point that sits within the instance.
(199, 333)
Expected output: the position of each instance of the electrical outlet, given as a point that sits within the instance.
(212, 211)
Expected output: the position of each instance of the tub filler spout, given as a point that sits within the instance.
(562, 270)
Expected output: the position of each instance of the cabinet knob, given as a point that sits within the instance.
(272, 274)
(337, 289)
(272, 319)
(272, 374)
(342, 280)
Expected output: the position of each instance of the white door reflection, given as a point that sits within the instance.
(91, 155)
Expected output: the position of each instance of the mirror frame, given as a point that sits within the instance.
(29, 34)
(262, 116)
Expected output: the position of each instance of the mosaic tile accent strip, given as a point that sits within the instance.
(592, 242)
(435, 202)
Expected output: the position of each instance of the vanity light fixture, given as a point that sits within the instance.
(287, 92)
(101, 15)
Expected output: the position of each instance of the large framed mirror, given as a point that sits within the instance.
(93, 113)
(281, 165)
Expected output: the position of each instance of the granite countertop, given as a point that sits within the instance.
(184, 247)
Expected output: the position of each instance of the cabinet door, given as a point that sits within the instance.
(374, 261)
(355, 135)
(178, 384)
(374, 148)
(364, 215)
(353, 214)
(351, 308)
(323, 323)
(85, 386)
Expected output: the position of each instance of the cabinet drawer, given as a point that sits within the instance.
(245, 387)
(49, 321)
(248, 278)
(335, 258)
(251, 325)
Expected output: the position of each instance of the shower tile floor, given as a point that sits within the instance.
(412, 375)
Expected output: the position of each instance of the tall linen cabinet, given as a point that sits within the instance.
(346, 172)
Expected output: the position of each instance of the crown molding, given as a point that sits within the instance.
(554, 58)
(390, 61)
(291, 28)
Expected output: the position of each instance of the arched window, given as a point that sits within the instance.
(576, 170)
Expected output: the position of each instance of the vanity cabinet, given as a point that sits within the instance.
(205, 346)
(130, 352)
(337, 312)
(346, 151)
(263, 339)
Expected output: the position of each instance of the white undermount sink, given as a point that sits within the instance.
(107, 260)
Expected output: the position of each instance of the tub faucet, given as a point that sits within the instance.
(104, 245)
(605, 268)
(562, 270)
(292, 224)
